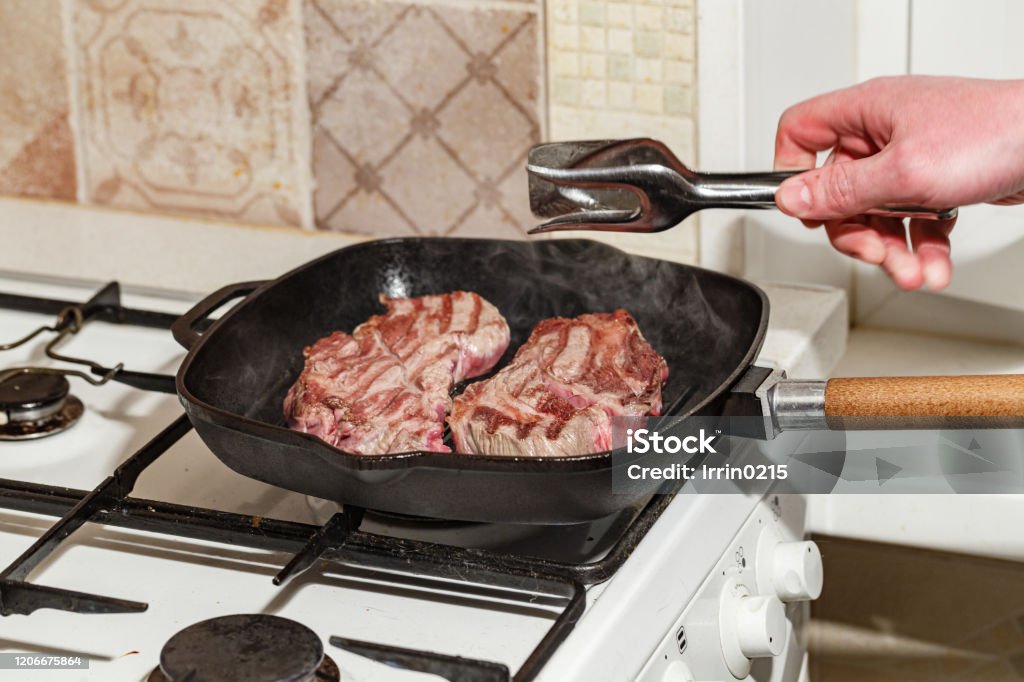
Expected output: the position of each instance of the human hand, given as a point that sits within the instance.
(906, 140)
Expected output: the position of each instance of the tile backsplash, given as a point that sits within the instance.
(189, 106)
(37, 155)
(374, 117)
(422, 115)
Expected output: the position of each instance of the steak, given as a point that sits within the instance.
(562, 389)
(386, 387)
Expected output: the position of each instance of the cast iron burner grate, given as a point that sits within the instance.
(245, 648)
(36, 405)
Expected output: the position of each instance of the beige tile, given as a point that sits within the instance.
(627, 88)
(564, 11)
(192, 107)
(649, 70)
(564, 37)
(649, 17)
(36, 147)
(593, 13)
(679, 72)
(621, 67)
(594, 94)
(678, 100)
(565, 64)
(519, 69)
(593, 38)
(566, 90)
(649, 98)
(678, 46)
(620, 15)
(428, 115)
(620, 40)
(620, 96)
(648, 43)
(595, 66)
(679, 20)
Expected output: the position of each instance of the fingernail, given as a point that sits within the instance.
(936, 275)
(794, 196)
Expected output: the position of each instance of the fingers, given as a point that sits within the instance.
(841, 189)
(801, 134)
(883, 241)
(857, 239)
(818, 124)
(930, 239)
(902, 266)
(878, 241)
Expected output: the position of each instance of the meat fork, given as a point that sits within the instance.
(639, 185)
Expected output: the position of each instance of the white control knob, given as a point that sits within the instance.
(750, 626)
(761, 626)
(677, 671)
(796, 571)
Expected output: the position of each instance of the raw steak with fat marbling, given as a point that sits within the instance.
(385, 388)
(561, 390)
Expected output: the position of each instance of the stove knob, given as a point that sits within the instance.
(796, 571)
(750, 626)
(677, 671)
(761, 627)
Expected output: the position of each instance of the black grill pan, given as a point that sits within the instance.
(708, 326)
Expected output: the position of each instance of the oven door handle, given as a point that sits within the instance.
(184, 329)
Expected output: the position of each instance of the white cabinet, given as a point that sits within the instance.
(980, 38)
(785, 50)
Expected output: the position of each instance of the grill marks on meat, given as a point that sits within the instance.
(385, 388)
(561, 390)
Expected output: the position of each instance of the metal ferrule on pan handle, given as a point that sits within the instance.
(798, 405)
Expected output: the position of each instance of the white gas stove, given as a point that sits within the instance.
(693, 587)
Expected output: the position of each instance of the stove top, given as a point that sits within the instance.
(123, 530)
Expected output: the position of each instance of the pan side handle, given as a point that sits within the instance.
(980, 401)
(184, 328)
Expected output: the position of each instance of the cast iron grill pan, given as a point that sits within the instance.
(708, 326)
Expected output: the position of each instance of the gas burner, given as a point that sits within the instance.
(35, 405)
(245, 648)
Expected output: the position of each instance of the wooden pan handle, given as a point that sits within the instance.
(982, 401)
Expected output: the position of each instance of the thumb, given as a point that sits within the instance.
(840, 190)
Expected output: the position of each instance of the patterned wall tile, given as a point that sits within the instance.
(36, 147)
(626, 68)
(423, 115)
(192, 106)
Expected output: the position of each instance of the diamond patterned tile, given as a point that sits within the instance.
(432, 189)
(436, 104)
(520, 55)
(420, 56)
(506, 129)
(37, 155)
(191, 107)
(344, 116)
(339, 176)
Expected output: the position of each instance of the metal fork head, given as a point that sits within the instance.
(620, 186)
